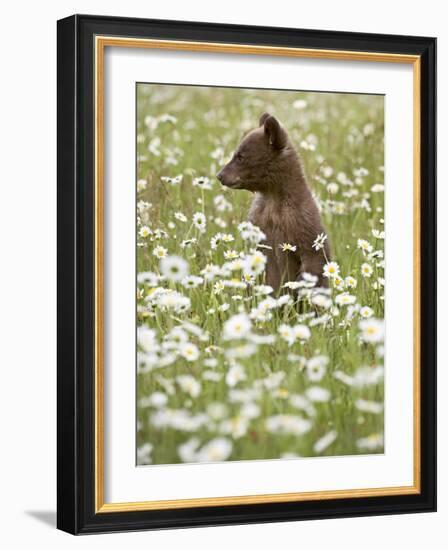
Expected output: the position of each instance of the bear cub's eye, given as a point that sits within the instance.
(239, 157)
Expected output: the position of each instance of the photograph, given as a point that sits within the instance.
(260, 274)
(246, 274)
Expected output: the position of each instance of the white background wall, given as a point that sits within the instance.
(28, 272)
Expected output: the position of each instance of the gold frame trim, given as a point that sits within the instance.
(101, 42)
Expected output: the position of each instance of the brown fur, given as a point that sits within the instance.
(266, 163)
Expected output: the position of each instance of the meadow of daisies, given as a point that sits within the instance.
(227, 369)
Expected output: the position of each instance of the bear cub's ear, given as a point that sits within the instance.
(263, 118)
(274, 132)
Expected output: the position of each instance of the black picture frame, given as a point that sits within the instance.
(75, 171)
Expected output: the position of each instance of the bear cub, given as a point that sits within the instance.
(267, 164)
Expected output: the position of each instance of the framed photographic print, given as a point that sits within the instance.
(246, 274)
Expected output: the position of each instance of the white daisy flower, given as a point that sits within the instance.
(176, 337)
(345, 299)
(308, 144)
(174, 268)
(189, 351)
(250, 410)
(310, 279)
(300, 402)
(299, 104)
(157, 399)
(199, 221)
(365, 246)
(316, 367)
(327, 171)
(153, 147)
(343, 179)
(332, 188)
(242, 351)
(144, 231)
(371, 442)
(179, 216)
(235, 265)
(338, 282)
(287, 424)
(189, 384)
(217, 410)
(188, 242)
(286, 247)
(227, 238)
(166, 117)
(293, 285)
(368, 129)
(143, 207)
(366, 270)
(216, 450)
(187, 450)
(331, 269)
(369, 406)
(344, 378)
(210, 272)
(325, 441)
(368, 376)
(218, 287)
(238, 326)
(284, 300)
(251, 233)
(195, 330)
(372, 330)
(320, 300)
(263, 290)
(365, 312)
(147, 339)
(172, 181)
(318, 394)
(236, 427)
(144, 453)
(202, 182)
(159, 234)
(220, 222)
(267, 304)
(319, 241)
(360, 172)
(235, 374)
(192, 281)
(160, 252)
(141, 185)
(287, 333)
(172, 300)
(350, 282)
(222, 204)
(231, 254)
(302, 332)
(211, 362)
(224, 307)
(254, 264)
(215, 240)
(148, 278)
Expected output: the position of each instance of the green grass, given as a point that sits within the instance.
(335, 134)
